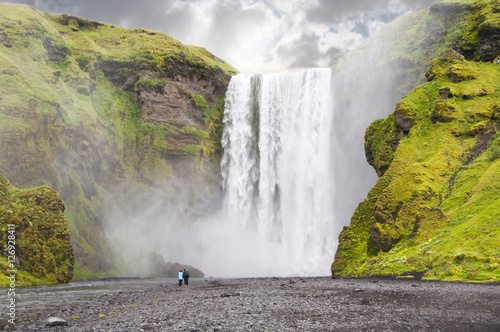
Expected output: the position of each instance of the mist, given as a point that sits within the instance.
(217, 245)
(185, 220)
(140, 221)
(296, 237)
(189, 228)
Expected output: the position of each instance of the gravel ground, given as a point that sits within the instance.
(289, 304)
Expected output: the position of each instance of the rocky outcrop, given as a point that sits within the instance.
(35, 239)
(88, 108)
(151, 264)
(172, 270)
(482, 31)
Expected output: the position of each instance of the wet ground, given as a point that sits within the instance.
(273, 304)
(33, 303)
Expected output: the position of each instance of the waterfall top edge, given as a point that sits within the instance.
(291, 72)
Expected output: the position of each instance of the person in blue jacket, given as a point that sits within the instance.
(181, 277)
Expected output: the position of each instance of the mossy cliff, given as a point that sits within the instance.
(400, 52)
(434, 209)
(87, 107)
(35, 234)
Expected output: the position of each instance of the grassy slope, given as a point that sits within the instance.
(434, 210)
(65, 125)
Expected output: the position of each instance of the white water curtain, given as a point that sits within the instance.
(279, 163)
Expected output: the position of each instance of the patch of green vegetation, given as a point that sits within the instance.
(148, 49)
(39, 239)
(482, 28)
(216, 63)
(495, 153)
(22, 278)
(149, 84)
(435, 208)
(211, 140)
(199, 101)
(381, 140)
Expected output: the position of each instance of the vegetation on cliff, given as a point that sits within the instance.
(400, 52)
(434, 209)
(86, 106)
(38, 243)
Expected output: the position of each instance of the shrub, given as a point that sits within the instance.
(495, 153)
(459, 258)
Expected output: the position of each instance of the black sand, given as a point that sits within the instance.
(289, 304)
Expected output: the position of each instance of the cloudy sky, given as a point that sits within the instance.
(252, 35)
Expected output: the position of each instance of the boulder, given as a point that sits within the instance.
(56, 321)
(172, 269)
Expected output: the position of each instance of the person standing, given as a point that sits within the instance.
(181, 277)
(185, 275)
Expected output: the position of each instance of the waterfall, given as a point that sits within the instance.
(279, 166)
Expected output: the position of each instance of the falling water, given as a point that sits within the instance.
(278, 165)
(294, 171)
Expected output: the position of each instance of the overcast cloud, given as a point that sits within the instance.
(252, 35)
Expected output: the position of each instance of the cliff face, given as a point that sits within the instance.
(434, 209)
(35, 236)
(87, 108)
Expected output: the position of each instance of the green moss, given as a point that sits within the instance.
(494, 153)
(210, 139)
(149, 85)
(149, 48)
(199, 101)
(435, 208)
(481, 28)
(381, 140)
(40, 236)
(216, 63)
